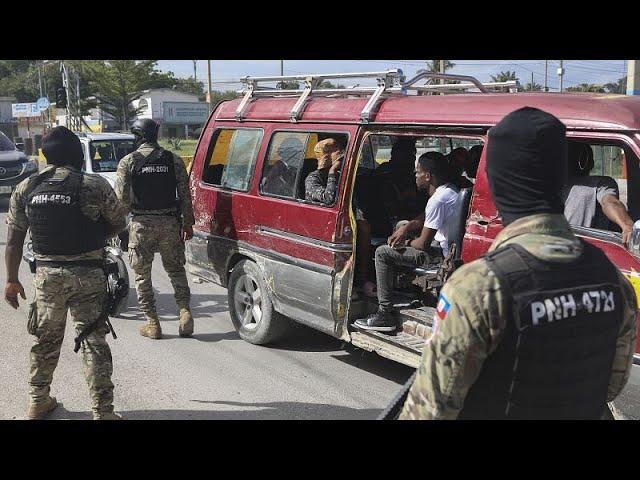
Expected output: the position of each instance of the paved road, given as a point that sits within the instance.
(214, 375)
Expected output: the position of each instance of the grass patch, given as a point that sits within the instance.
(187, 147)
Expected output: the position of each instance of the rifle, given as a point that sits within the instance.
(392, 412)
(108, 306)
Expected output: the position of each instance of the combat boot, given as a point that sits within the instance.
(107, 416)
(185, 329)
(38, 411)
(151, 329)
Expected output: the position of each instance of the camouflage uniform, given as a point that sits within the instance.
(320, 186)
(159, 231)
(80, 289)
(453, 358)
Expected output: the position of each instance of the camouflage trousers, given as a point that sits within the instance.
(148, 235)
(81, 290)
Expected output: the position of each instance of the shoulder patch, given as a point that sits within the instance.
(443, 307)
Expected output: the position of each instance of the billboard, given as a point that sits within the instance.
(184, 113)
(19, 110)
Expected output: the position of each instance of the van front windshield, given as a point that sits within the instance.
(105, 154)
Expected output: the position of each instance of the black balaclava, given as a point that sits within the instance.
(527, 164)
(62, 147)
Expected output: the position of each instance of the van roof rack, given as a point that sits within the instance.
(389, 83)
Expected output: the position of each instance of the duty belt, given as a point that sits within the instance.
(140, 213)
(70, 263)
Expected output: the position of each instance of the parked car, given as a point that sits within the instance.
(15, 166)
(102, 152)
(283, 258)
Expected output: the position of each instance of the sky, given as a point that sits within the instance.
(576, 71)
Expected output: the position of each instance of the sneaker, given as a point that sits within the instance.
(185, 329)
(38, 411)
(379, 321)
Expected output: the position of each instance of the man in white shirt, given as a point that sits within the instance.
(433, 175)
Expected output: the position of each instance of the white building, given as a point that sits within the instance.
(176, 112)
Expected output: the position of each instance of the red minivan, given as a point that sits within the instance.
(284, 258)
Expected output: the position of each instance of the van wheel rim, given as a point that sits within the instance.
(248, 301)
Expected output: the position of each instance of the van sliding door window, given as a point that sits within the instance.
(598, 170)
(232, 159)
(291, 160)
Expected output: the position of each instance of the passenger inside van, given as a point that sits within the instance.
(433, 176)
(322, 185)
(458, 159)
(592, 201)
(473, 160)
(399, 191)
(280, 179)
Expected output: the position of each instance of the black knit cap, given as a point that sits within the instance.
(527, 164)
(62, 147)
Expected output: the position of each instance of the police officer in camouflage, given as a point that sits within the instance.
(70, 215)
(152, 183)
(542, 327)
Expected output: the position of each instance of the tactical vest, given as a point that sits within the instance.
(58, 226)
(555, 359)
(153, 181)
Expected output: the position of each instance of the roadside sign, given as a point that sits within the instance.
(42, 103)
(20, 110)
(183, 113)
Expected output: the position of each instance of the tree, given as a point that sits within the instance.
(617, 87)
(434, 66)
(288, 85)
(535, 87)
(504, 76)
(587, 87)
(217, 96)
(117, 83)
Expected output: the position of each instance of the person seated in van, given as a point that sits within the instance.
(473, 160)
(281, 176)
(592, 201)
(434, 176)
(458, 159)
(400, 194)
(322, 185)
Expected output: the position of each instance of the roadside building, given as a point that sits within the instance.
(179, 114)
(8, 125)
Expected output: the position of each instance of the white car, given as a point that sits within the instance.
(103, 151)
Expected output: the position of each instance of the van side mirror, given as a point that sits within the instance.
(20, 146)
(634, 242)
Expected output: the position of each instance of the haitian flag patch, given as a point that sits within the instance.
(443, 307)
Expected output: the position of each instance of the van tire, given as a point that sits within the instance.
(246, 291)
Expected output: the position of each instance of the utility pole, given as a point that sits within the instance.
(442, 70)
(195, 76)
(282, 68)
(546, 68)
(531, 82)
(561, 73)
(39, 79)
(209, 84)
(633, 77)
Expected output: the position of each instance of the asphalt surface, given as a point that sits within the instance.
(213, 375)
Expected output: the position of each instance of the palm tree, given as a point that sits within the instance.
(434, 66)
(536, 87)
(504, 76)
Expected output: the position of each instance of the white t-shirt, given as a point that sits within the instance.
(440, 214)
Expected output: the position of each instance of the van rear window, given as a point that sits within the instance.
(232, 158)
